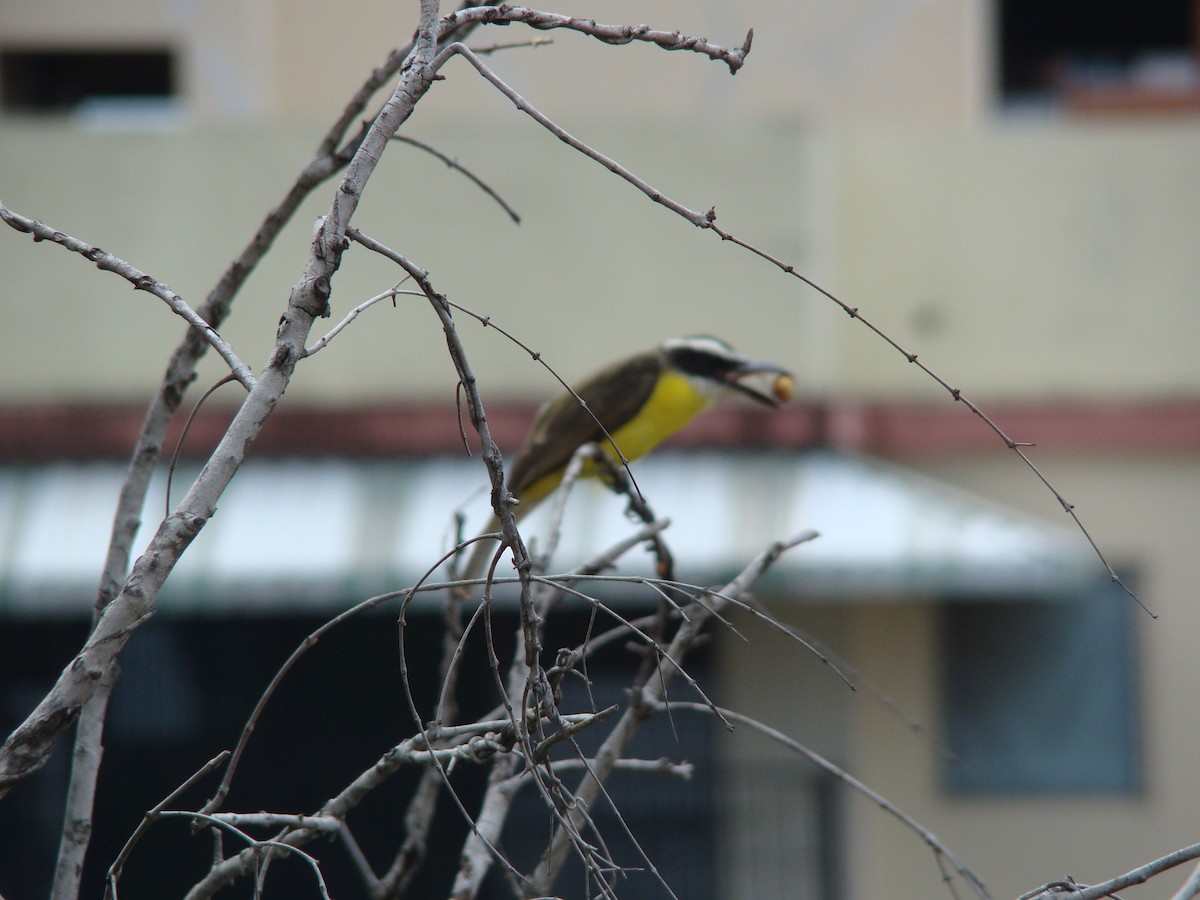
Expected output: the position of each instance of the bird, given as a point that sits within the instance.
(640, 401)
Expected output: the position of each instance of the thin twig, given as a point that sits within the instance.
(183, 433)
(421, 275)
(311, 294)
(661, 766)
(707, 221)
(458, 167)
(955, 394)
(513, 45)
(629, 835)
(390, 294)
(303, 647)
(27, 748)
(114, 871)
(631, 720)
(1190, 888)
(846, 778)
(421, 808)
(477, 852)
(858, 681)
(105, 261)
(700, 220)
(358, 859)
(610, 34)
(502, 504)
(256, 845)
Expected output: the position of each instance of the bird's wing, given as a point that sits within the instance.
(564, 425)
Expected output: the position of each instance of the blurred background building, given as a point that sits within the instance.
(1010, 189)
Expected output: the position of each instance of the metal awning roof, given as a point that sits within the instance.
(322, 534)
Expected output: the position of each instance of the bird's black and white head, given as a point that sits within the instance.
(715, 368)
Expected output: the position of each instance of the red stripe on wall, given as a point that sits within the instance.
(897, 429)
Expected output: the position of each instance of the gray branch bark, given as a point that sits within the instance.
(29, 746)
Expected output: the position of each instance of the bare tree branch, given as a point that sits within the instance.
(114, 871)
(28, 747)
(707, 221)
(622, 733)
(180, 372)
(699, 219)
(269, 820)
(1189, 888)
(516, 741)
(609, 34)
(258, 849)
(1069, 890)
(141, 282)
(81, 791)
(389, 294)
(939, 849)
(457, 166)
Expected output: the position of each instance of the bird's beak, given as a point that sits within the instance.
(765, 382)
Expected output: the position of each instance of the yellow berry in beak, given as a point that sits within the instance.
(783, 387)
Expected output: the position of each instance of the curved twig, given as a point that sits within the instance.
(940, 850)
(622, 733)
(459, 167)
(114, 871)
(140, 281)
(707, 221)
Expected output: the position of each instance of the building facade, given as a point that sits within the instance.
(1010, 193)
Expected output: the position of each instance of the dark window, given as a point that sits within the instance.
(186, 687)
(1041, 697)
(59, 80)
(781, 830)
(1115, 54)
(669, 818)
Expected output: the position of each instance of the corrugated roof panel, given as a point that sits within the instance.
(59, 518)
(326, 533)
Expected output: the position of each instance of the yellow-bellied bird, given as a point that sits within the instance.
(640, 401)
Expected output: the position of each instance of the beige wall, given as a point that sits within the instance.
(1141, 509)
(178, 203)
(863, 61)
(593, 270)
(1054, 260)
(1019, 263)
(859, 143)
